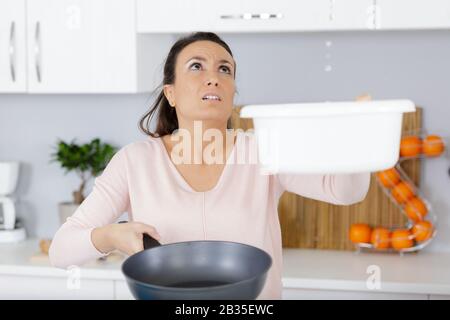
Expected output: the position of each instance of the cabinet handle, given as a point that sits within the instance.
(12, 51)
(37, 50)
(251, 16)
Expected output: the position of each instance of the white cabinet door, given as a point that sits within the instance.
(173, 16)
(49, 288)
(351, 14)
(268, 15)
(253, 15)
(413, 14)
(81, 46)
(12, 46)
(291, 16)
(439, 297)
(310, 294)
(121, 291)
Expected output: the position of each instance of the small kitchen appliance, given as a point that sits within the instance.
(10, 228)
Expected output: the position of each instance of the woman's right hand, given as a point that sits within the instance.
(125, 237)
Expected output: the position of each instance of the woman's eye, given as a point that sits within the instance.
(195, 64)
(226, 68)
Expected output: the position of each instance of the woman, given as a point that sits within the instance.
(176, 201)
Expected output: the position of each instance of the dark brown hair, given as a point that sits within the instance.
(167, 117)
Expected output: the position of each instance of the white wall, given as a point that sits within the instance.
(271, 68)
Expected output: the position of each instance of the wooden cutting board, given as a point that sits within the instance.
(307, 223)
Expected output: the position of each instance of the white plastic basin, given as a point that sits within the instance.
(328, 137)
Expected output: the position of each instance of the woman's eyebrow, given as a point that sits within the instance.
(203, 59)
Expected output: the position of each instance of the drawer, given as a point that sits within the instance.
(310, 294)
(439, 297)
(121, 291)
(29, 287)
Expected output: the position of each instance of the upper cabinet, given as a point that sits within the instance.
(88, 46)
(12, 46)
(291, 16)
(119, 46)
(77, 46)
(175, 16)
(81, 46)
(413, 14)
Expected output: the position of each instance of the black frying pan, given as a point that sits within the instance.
(196, 270)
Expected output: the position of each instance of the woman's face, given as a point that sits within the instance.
(203, 67)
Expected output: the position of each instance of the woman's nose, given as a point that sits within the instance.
(210, 83)
(212, 80)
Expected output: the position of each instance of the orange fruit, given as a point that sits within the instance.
(416, 209)
(422, 230)
(402, 192)
(433, 146)
(401, 239)
(410, 146)
(389, 177)
(380, 238)
(360, 232)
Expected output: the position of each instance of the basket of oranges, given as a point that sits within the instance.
(421, 226)
(420, 144)
(399, 240)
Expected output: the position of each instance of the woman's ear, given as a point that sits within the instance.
(169, 93)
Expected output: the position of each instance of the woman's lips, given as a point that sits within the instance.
(211, 95)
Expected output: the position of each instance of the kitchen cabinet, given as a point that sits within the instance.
(286, 15)
(413, 14)
(174, 16)
(50, 287)
(53, 288)
(311, 294)
(84, 46)
(439, 297)
(307, 274)
(253, 15)
(77, 46)
(351, 15)
(12, 46)
(121, 291)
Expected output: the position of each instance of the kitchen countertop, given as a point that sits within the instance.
(422, 273)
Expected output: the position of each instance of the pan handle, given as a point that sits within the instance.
(149, 242)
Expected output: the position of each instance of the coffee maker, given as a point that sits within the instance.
(10, 228)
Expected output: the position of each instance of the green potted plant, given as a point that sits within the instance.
(87, 161)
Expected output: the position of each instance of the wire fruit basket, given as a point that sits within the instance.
(421, 227)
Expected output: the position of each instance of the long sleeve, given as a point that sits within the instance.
(72, 244)
(340, 189)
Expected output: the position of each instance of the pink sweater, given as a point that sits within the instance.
(142, 180)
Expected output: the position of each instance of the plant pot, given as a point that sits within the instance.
(65, 210)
